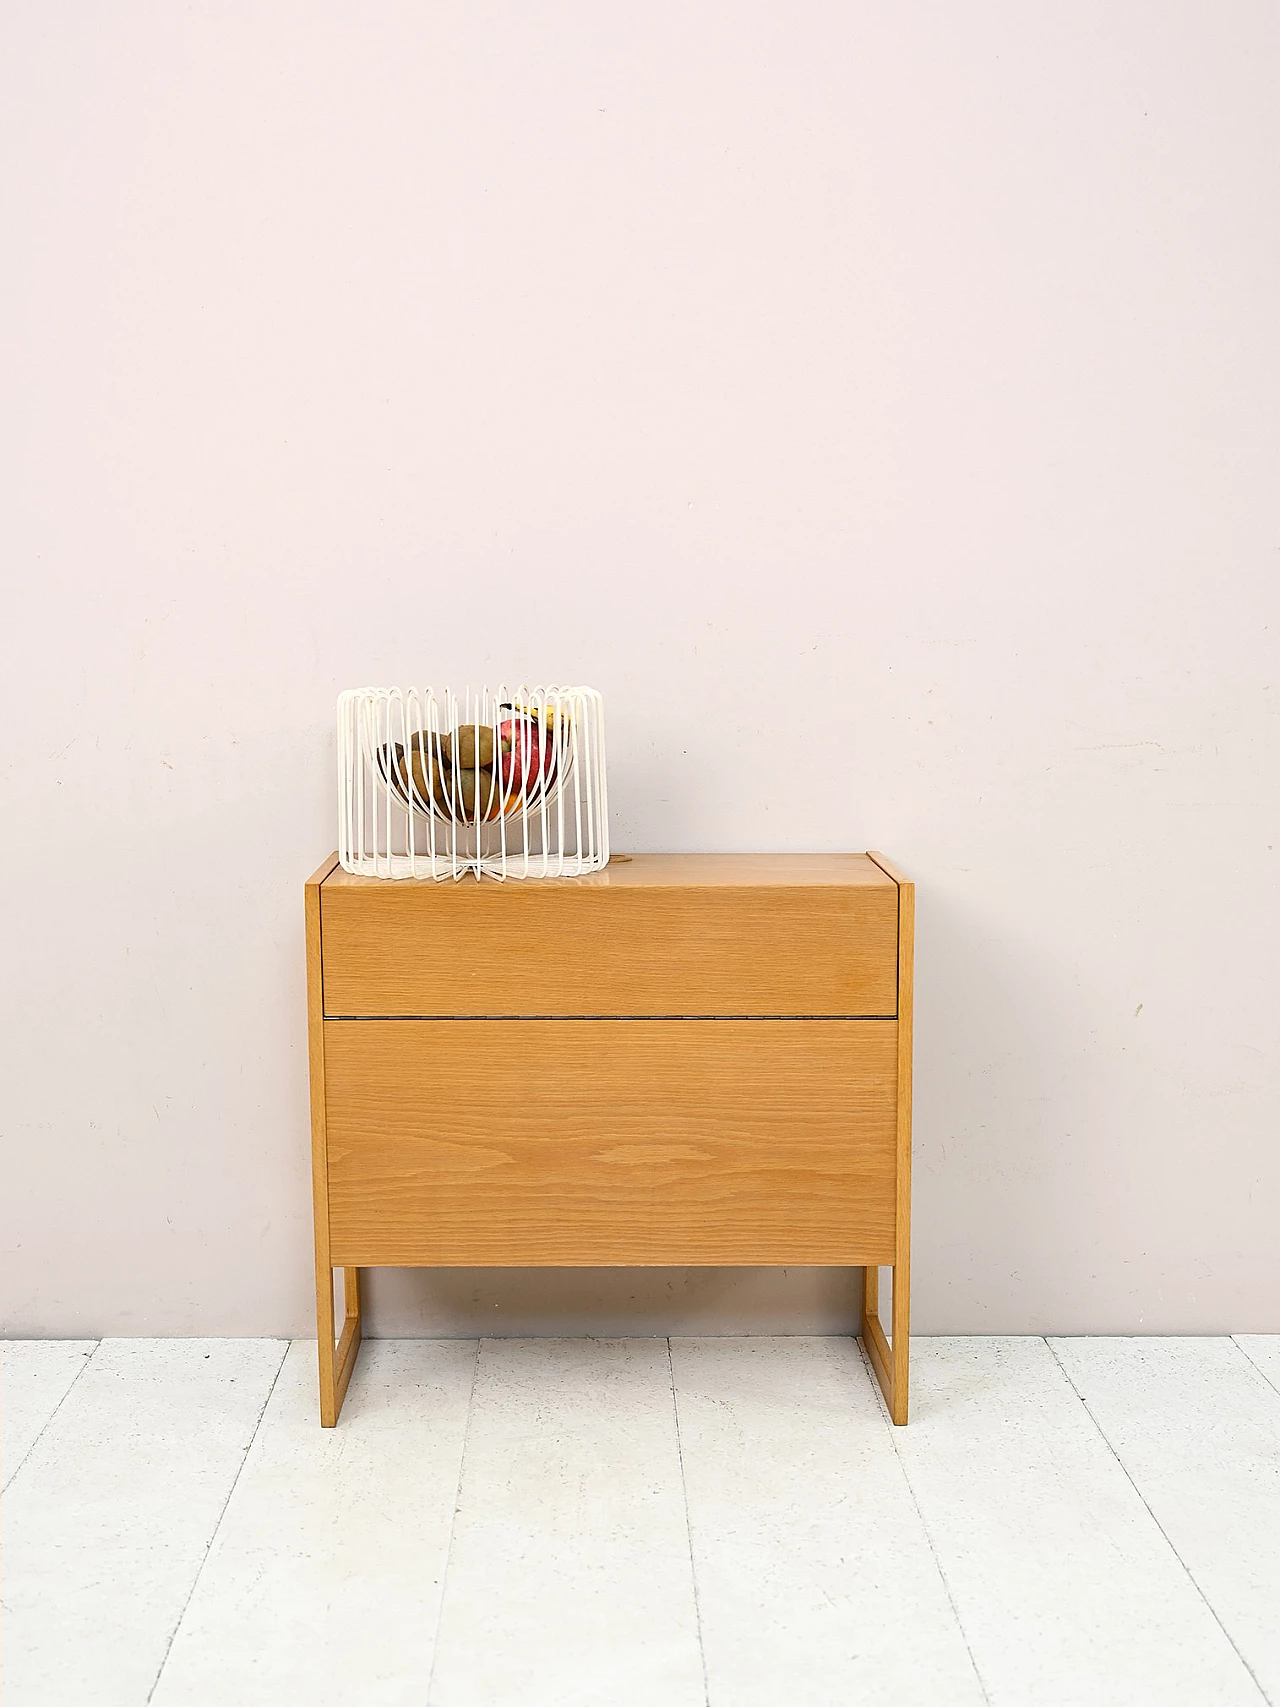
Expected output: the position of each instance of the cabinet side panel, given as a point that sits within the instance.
(316, 1064)
(319, 1152)
(892, 1363)
(906, 1040)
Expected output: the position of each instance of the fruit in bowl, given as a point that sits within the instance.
(417, 780)
(477, 772)
(475, 789)
(470, 746)
(527, 753)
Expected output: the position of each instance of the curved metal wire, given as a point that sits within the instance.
(411, 803)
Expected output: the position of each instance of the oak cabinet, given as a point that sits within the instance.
(682, 1059)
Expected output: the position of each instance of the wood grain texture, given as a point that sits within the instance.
(892, 1362)
(663, 935)
(878, 1350)
(344, 1362)
(334, 1367)
(689, 871)
(888, 868)
(901, 1337)
(617, 1142)
(319, 1149)
(326, 870)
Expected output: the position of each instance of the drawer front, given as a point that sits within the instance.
(579, 1142)
(565, 949)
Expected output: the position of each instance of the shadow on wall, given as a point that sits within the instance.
(637, 1301)
(1005, 1109)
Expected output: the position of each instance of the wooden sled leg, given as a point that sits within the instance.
(890, 1362)
(336, 1363)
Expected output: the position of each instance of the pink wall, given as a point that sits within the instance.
(879, 403)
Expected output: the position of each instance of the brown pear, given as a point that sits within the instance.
(470, 746)
(473, 784)
(430, 779)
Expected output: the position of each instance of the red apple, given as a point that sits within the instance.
(528, 755)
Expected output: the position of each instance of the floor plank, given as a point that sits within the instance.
(816, 1582)
(324, 1581)
(318, 1573)
(1065, 1587)
(569, 1579)
(107, 1522)
(35, 1377)
(1198, 1429)
(1263, 1352)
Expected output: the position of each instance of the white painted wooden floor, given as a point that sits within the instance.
(618, 1522)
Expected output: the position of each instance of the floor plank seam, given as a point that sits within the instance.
(8, 1483)
(453, 1521)
(204, 1559)
(688, 1529)
(889, 1423)
(1257, 1367)
(1102, 1435)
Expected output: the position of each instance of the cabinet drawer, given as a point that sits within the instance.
(577, 1142)
(811, 937)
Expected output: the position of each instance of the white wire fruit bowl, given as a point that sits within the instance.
(490, 782)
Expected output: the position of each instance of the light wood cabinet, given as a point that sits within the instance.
(681, 1059)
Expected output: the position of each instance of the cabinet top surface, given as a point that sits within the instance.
(682, 870)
